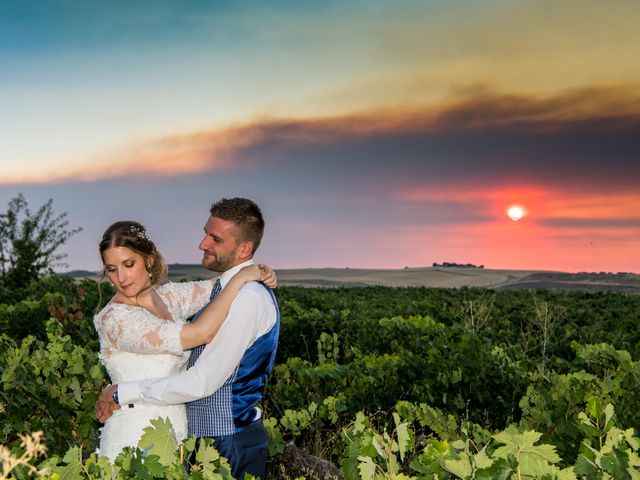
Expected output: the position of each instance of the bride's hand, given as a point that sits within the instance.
(268, 276)
(260, 273)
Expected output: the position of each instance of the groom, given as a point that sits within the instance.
(226, 378)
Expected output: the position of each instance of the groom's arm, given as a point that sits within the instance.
(216, 363)
(249, 317)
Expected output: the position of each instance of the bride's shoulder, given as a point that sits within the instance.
(166, 290)
(107, 312)
(99, 318)
(164, 287)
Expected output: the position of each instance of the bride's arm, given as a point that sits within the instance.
(205, 327)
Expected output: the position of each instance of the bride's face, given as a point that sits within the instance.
(126, 270)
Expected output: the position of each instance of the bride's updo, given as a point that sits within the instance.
(133, 235)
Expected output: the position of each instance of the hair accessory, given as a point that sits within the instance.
(138, 232)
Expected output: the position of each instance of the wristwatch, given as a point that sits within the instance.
(115, 396)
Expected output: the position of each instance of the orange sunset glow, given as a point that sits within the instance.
(376, 135)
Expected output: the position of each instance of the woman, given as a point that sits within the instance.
(142, 329)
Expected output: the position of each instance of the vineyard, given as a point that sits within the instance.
(369, 383)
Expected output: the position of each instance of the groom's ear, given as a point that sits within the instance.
(245, 252)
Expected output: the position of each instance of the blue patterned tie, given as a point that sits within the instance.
(195, 353)
(216, 289)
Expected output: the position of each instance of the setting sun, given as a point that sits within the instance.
(515, 213)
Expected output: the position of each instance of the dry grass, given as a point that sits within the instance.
(438, 277)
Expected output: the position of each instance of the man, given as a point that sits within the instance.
(226, 378)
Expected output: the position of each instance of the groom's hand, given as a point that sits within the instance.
(105, 404)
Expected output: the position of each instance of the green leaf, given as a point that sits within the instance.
(482, 459)
(633, 441)
(73, 468)
(160, 439)
(594, 406)
(207, 456)
(614, 465)
(378, 445)
(190, 444)
(367, 468)
(403, 438)
(459, 444)
(96, 372)
(135, 463)
(361, 422)
(585, 467)
(566, 474)
(533, 465)
(533, 460)
(98, 467)
(499, 470)
(276, 442)
(608, 414)
(524, 443)
(461, 467)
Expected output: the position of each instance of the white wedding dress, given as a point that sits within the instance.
(135, 345)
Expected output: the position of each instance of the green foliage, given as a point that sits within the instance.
(512, 453)
(369, 451)
(157, 456)
(607, 450)
(49, 386)
(29, 242)
(160, 438)
(553, 403)
(23, 318)
(388, 383)
(72, 303)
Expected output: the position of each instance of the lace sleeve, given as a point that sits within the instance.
(125, 329)
(188, 297)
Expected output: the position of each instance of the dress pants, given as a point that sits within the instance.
(247, 450)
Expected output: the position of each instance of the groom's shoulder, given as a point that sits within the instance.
(255, 288)
(256, 292)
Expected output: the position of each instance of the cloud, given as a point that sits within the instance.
(480, 136)
(591, 223)
(585, 110)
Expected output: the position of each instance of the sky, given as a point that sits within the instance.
(373, 134)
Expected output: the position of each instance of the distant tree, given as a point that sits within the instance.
(29, 242)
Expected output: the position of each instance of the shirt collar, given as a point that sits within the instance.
(226, 276)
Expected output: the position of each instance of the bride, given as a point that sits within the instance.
(142, 329)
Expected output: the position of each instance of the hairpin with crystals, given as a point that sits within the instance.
(138, 232)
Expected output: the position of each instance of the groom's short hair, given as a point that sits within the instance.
(245, 214)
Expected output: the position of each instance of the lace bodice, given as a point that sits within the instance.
(135, 344)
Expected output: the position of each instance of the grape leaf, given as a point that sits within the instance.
(73, 468)
(367, 468)
(160, 439)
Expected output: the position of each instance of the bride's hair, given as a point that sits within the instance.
(133, 235)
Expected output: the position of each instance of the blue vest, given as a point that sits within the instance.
(232, 407)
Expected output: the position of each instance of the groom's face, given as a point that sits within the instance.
(220, 245)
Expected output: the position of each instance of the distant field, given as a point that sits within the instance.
(442, 277)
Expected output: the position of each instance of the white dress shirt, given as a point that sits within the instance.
(252, 314)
